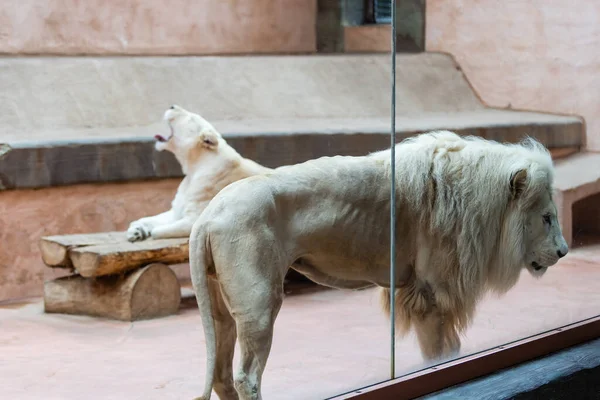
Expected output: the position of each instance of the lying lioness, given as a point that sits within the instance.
(208, 163)
(470, 215)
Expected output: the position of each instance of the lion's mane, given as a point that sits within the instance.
(470, 229)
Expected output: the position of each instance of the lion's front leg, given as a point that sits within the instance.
(142, 228)
(437, 334)
(178, 229)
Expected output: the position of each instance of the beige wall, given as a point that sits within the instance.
(157, 26)
(27, 215)
(530, 54)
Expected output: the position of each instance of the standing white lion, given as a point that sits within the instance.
(209, 164)
(471, 215)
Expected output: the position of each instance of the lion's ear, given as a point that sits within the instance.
(209, 139)
(518, 180)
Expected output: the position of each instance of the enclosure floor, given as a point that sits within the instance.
(326, 341)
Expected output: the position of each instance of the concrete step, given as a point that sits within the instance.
(127, 153)
(276, 110)
(577, 194)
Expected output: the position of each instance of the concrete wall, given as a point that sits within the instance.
(157, 26)
(528, 54)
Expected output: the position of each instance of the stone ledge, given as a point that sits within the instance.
(110, 158)
(580, 172)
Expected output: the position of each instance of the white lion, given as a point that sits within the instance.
(209, 164)
(470, 215)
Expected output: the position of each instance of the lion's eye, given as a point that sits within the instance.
(547, 219)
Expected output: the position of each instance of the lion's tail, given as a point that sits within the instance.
(200, 261)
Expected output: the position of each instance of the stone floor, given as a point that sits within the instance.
(326, 341)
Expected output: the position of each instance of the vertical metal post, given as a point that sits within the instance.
(393, 201)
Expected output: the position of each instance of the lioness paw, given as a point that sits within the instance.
(138, 233)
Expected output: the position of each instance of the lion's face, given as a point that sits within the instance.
(186, 131)
(543, 238)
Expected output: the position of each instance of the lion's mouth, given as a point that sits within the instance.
(536, 266)
(162, 139)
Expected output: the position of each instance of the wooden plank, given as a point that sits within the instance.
(149, 292)
(55, 249)
(526, 377)
(107, 259)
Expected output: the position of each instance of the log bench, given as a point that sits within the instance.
(114, 278)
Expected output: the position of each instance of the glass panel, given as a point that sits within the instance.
(557, 239)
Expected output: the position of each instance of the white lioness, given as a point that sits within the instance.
(470, 215)
(208, 163)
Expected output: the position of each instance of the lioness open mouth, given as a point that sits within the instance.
(161, 138)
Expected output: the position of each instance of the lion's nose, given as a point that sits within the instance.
(561, 254)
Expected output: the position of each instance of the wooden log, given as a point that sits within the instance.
(99, 254)
(100, 260)
(149, 292)
(55, 249)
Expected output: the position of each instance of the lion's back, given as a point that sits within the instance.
(329, 197)
(244, 199)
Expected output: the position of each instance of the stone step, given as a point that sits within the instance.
(128, 154)
(577, 194)
(276, 110)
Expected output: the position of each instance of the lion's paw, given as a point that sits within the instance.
(138, 233)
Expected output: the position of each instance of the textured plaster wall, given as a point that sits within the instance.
(157, 26)
(529, 54)
(27, 215)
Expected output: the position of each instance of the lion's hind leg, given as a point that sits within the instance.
(255, 338)
(254, 298)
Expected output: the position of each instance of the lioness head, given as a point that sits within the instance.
(187, 131)
(543, 241)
